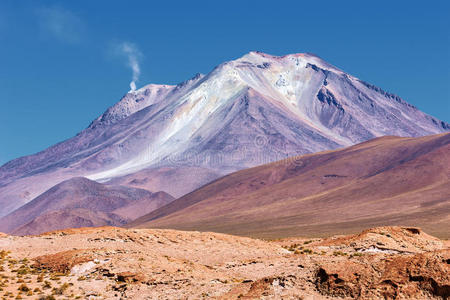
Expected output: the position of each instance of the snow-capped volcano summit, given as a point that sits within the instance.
(249, 111)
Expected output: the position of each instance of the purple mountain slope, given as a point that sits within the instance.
(253, 110)
(80, 202)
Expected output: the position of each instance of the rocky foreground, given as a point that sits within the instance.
(115, 263)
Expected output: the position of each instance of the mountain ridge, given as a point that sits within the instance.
(295, 104)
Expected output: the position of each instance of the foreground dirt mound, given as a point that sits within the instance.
(419, 276)
(116, 263)
(392, 239)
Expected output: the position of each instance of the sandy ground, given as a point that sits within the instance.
(116, 263)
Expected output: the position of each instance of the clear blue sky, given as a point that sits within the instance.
(60, 67)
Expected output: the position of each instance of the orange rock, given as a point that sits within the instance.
(62, 261)
(416, 276)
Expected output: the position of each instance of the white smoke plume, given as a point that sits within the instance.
(133, 55)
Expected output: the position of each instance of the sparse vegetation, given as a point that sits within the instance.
(293, 247)
(48, 297)
(23, 287)
(47, 285)
(40, 278)
(356, 254)
(60, 290)
(339, 253)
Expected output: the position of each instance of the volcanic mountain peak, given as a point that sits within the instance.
(262, 60)
(339, 109)
(134, 101)
(148, 95)
(249, 111)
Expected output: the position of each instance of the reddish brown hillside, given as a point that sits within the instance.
(385, 181)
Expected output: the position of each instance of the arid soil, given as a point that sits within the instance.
(115, 263)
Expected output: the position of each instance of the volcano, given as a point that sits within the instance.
(253, 110)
